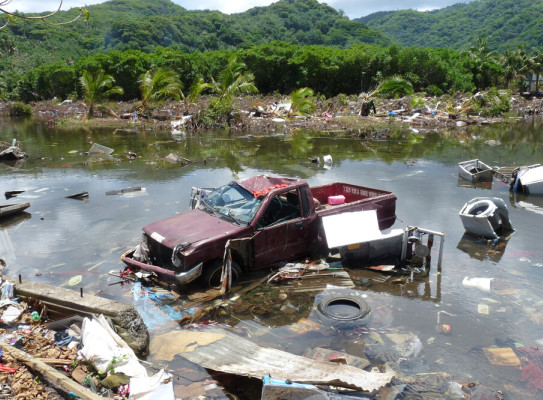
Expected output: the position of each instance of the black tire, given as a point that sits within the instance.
(356, 306)
(212, 273)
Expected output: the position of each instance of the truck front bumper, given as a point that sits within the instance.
(163, 273)
(190, 275)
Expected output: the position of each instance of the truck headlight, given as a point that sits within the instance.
(177, 259)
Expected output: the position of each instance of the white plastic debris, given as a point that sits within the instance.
(10, 314)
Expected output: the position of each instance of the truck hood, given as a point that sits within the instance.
(192, 226)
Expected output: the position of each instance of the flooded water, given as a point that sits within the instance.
(75, 243)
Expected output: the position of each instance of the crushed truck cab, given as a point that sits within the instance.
(266, 219)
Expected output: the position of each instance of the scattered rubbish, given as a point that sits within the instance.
(441, 327)
(327, 159)
(532, 368)
(278, 389)
(10, 314)
(340, 357)
(12, 153)
(475, 171)
(486, 216)
(178, 124)
(103, 346)
(483, 309)
(483, 284)
(122, 191)
(75, 280)
(11, 209)
(501, 356)
(410, 348)
(175, 159)
(383, 267)
(12, 193)
(153, 307)
(99, 149)
(528, 180)
(455, 390)
(79, 196)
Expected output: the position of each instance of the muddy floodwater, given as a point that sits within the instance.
(77, 243)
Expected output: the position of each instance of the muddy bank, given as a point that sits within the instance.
(274, 114)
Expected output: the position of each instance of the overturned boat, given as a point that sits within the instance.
(528, 180)
(475, 171)
(12, 209)
(486, 216)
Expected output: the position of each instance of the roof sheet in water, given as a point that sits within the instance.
(235, 355)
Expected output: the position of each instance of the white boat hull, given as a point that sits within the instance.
(475, 171)
(529, 181)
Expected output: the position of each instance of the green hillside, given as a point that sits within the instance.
(144, 25)
(506, 23)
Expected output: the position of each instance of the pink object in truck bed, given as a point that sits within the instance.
(339, 199)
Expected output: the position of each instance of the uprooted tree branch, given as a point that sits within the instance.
(12, 16)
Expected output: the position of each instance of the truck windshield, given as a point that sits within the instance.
(232, 202)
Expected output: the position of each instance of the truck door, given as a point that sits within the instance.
(283, 229)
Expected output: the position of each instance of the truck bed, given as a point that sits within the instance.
(357, 198)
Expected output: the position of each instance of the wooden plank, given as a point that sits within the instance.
(50, 373)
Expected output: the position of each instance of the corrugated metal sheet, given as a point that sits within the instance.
(236, 355)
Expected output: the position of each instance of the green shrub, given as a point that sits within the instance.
(218, 114)
(434, 90)
(20, 109)
(343, 99)
(417, 102)
(394, 87)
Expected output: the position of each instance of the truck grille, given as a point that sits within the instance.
(159, 254)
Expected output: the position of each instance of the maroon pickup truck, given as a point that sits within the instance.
(265, 219)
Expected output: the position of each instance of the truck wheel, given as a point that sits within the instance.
(212, 273)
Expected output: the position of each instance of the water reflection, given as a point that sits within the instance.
(476, 185)
(481, 248)
(61, 239)
(531, 203)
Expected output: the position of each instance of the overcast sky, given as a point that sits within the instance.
(352, 8)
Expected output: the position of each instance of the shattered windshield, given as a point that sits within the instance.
(233, 203)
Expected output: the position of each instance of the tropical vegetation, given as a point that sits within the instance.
(157, 84)
(506, 23)
(97, 87)
(131, 49)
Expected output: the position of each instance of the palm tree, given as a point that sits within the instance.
(3, 88)
(302, 102)
(234, 80)
(196, 89)
(159, 83)
(97, 88)
(485, 67)
(513, 64)
(534, 65)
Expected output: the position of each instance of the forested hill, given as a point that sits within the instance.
(143, 25)
(506, 23)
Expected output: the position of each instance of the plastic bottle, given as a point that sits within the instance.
(35, 316)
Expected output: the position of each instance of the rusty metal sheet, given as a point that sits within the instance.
(236, 355)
